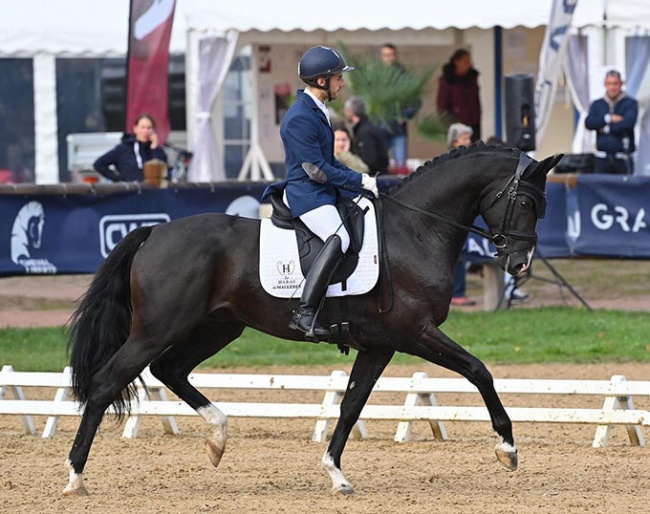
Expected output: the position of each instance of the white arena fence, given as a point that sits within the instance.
(420, 403)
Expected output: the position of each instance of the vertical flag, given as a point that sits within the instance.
(150, 28)
(551, 60)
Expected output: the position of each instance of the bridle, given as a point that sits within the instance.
(511, 189)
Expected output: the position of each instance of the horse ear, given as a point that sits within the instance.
(550, 162)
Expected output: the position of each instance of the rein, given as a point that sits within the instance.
(500, 240)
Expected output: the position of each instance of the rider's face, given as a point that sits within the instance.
(336, 85)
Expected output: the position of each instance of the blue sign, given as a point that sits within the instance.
(603, 215)
(608, 216)
(74, 233)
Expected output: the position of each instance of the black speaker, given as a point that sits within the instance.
(520, 111)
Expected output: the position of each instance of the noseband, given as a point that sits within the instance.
(514, 186)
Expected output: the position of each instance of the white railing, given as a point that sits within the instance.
(420, 403)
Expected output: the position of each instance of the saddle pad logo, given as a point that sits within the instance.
(26, 236)
(286, 268)
(114, 227)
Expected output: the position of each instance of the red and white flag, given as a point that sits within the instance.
(150, 29)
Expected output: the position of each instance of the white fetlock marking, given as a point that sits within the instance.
(336, 475)
(75, 481)
(506, 447)
(217, 419)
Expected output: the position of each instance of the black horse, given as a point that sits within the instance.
(174, 295)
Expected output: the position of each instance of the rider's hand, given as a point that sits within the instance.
(369, 184)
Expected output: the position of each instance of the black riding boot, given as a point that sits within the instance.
(318, 278)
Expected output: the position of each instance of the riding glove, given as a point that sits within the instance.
(369, 184)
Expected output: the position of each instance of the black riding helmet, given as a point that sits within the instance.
(321, 61)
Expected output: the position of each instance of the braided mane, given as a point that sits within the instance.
(477, 147)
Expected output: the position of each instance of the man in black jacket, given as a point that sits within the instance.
(369, 142)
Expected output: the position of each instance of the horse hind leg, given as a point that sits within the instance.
(107, 384)
(438, 348)
(173, 367)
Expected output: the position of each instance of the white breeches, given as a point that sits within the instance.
(325, 221)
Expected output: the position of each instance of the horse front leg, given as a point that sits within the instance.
(438, 348)
(367, 368)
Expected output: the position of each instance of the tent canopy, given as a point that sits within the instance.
(99, 27)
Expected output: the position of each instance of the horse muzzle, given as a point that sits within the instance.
(516, 263)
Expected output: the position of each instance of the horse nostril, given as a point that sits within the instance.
(520, 268)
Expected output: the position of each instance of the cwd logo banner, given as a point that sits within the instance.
(603, 215)
(44, 234)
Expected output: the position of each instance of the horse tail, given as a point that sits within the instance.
(102, 322)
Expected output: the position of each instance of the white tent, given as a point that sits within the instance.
(45, 30)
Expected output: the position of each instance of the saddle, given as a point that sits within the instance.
(309, 244)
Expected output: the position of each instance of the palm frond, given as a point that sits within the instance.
(387, 90)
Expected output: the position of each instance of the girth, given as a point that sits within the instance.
(309, 244)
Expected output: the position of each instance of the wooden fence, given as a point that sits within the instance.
(420, 403)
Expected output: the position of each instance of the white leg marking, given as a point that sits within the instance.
(507, 455)
(507, 447)
(75, 485)
(215, 444)
(339, 483)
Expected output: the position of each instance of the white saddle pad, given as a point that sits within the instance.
(280, 271)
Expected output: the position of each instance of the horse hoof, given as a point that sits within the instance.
(507, 457)
(214, 451)
(79, 490)
(343, 490)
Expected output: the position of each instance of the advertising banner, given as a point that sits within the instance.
(73, 233)
(45, 234)
(608, 216)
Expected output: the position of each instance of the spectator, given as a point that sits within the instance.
(315, 178)
(126, 161)
(613, 117)
(396, 130)
(460, 135)
(342, 144)
(458, 92)
(369, 143)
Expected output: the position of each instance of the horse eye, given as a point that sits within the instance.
(526, 204)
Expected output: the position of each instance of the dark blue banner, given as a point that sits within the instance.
(608, 216)
(74, 233)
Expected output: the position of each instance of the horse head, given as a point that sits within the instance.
(512, 210)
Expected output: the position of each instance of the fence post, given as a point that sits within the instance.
(612, 403)
(132, 425)
(18, 394)
(60, 396)
(403, 432)
(332, 398)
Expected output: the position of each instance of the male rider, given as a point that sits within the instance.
(314, 177)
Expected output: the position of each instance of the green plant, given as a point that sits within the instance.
(434, 126)
(387, 90)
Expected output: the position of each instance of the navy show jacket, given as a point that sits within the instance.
(308, 138)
